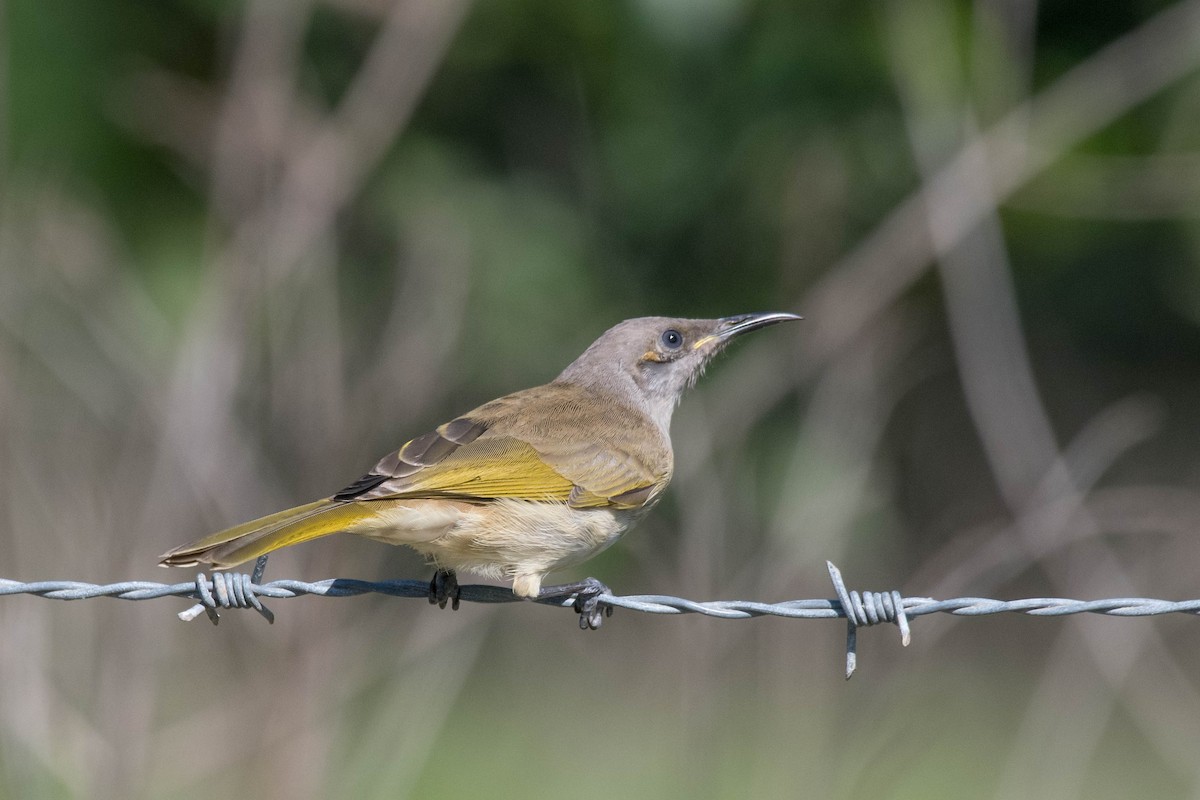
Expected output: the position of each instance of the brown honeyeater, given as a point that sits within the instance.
(526, 484)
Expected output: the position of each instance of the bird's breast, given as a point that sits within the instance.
(508, 536)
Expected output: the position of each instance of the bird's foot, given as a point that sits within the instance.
(444, 588)
(587, 605)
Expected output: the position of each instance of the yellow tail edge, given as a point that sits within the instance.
(247, 541)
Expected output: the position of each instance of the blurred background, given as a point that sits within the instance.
(246, 248)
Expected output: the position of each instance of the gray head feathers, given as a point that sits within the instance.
(649, 362)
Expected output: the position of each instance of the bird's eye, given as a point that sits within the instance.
(672, 339)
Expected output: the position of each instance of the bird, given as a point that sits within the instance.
(523, 485)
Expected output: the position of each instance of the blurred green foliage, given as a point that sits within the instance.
(672, 149)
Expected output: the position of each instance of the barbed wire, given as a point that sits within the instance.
(228, 590)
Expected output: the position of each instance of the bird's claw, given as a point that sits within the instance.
(585, 599)
(444, 588)
(588, 606)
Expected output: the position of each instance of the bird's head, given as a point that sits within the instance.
(652, 360)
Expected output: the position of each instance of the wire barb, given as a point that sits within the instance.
(228, 590)
(224, 590)
(868, 608)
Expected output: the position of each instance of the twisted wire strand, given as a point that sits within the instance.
(224, 590)
(646, 603)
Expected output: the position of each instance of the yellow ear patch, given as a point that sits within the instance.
(652, 355)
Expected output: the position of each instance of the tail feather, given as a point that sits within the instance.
(241, 543)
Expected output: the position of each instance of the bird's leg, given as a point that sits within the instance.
(443, 588)
(587, 604)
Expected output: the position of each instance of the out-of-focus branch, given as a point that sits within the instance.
(997, 378)
(326, 171)
(294, 202)
(1021, 146)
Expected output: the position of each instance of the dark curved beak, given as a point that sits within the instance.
(743, 323)
(729, 327)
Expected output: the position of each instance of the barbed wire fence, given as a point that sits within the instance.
(236, 590)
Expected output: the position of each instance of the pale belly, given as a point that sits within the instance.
(517, 540)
